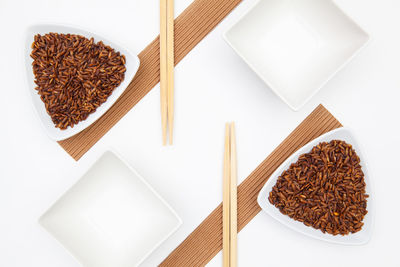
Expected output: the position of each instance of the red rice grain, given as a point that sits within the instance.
(74, 75)
(324, 189)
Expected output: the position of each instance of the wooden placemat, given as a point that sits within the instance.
(191, 26)
(206, 240)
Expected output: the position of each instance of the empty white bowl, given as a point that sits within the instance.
(295, 46)
(111, 217)
(132, 65)
(357, 238)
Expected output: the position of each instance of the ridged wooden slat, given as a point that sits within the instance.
(191, 26)
(206, 240)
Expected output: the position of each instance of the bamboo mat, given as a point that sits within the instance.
(191, 26)
(206, 240)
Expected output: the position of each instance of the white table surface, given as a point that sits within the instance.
(213, 85)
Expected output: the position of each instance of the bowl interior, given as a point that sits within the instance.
(295, 46)
(132, 65)
(111, 216)
(358, 238)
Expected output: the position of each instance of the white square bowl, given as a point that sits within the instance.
(111, 217)
(295, 46)
(132, 65)
(359, 238)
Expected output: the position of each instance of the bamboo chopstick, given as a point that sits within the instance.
(163, 68)
(226, 201)
(229, 207)
(233, 201)
(170, 66)
(167, 68)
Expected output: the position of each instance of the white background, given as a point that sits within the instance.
(213, 85)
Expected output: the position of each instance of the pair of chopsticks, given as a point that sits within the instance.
(229, 203)
(167, 67)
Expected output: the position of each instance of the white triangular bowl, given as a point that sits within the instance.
(359, 238)
(132, 65)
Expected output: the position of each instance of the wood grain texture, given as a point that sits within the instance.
(191, 26)
(206, 240)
